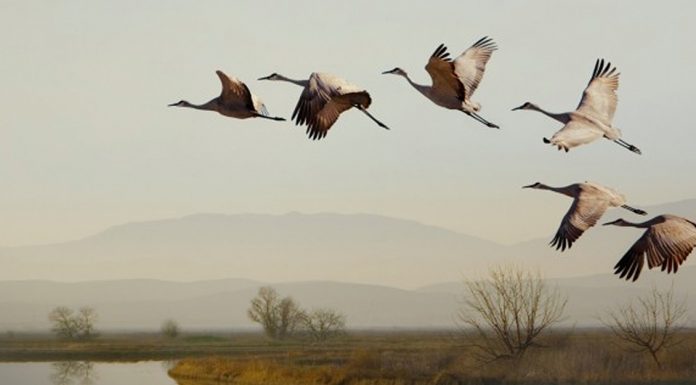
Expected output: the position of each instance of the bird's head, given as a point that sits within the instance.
(526, 106)
(180, 103)
(533, 185)
(273, 76)
(395, 71)
(618, 222)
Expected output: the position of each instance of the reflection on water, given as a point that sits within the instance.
(73, 373)
(85, 373)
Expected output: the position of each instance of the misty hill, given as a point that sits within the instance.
(144, 304)
(357, 248)
(298, 247)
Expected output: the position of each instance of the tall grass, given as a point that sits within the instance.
(583, 358)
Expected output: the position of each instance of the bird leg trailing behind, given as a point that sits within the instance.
(628, 146)
(276, 118)
(480, 119)
(635, 210)
(361, 108)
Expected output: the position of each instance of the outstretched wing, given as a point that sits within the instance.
(583, 214)
(470, 65)
(323, 100)
(441, 70)
(234, 91)
(666, 244)
(599, 99)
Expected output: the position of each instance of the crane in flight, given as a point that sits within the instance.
(590, 201)
(667, 242)
(323, 99)
(594, 115)
(235, 101)
(455, 81)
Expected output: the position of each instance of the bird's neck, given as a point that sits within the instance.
(301, 83)
(563, 117)
(626, 223)
(211, 105)
(423, 89)
(566, 190)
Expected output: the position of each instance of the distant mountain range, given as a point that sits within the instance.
(298, 247)
(221, 304)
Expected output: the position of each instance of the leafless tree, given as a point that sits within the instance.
(85, 320)
(170, 329)
(63, 322)
(279, 317)
(68, 324)
(505, 314)
(650, 323)
(323, 324)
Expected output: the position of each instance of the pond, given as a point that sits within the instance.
(85, 373)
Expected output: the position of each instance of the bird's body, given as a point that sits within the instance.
(235, 101)
(323, 99)
(454, 81)
(590, 201)
(667, 242)
(593, 117)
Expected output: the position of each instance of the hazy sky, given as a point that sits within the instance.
(86, 139)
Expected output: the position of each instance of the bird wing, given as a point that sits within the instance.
(323, 100)
(599, 99)
(576, 133)
(441, 70)
(259, 106)
(471, 64)
(666, 244)
(583, 214)
(234, 91)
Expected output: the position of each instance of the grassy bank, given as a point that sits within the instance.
(371, 358)
(583, 358)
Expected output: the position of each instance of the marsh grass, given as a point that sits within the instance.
(586, 357)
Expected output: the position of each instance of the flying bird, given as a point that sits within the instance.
(593, 117)
(667, 242)
(235, 101)
(323, 99)
(590, 201)
(455, 81)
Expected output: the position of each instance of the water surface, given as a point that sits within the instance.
(85, 373)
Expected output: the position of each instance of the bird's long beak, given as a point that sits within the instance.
(172, 105)
(610, 223)
(387, 72)
(517, 108)
(528, 186)
(265, 77)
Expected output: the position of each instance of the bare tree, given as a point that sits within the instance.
(63, 322)
(85, 320)
(505, 314)
(650, 323)
(278, 317)
(170, 329)
(323, 324)
(68, 324)
(290, 317)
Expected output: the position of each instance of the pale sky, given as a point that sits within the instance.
(86, 139)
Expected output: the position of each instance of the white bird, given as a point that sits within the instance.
(323, 99)
(667, 242)
(454, 82)
(594, 115)
(590, 201)
(235, 101)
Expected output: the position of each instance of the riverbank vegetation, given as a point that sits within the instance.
(585, 357)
